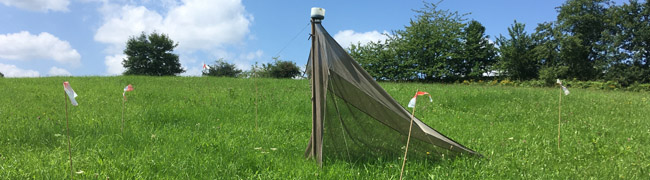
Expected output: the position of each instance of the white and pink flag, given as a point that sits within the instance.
(205, 66)
(127, 89)
(566, 91)
(71, 94)
(414, 99)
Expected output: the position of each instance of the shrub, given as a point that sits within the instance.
(639, 87)
(222, 69)
(280, 69)
(549, 75)
(494, 82)
(506, 83)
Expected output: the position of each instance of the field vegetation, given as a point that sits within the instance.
(206, 128)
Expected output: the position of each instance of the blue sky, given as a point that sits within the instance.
(87, 37)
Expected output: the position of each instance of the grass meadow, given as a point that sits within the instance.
(205, 128)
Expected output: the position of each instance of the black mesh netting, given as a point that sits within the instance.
(356, 136)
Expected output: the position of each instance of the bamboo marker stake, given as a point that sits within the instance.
(126, 89)
(123, 106)
(408, 139)
(559, 118)
(68, 132)
(255, 82)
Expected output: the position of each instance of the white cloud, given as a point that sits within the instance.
(130, 22)
(12, 71)
(25, 46)
(39, 5)
(114, 64)
(197, 25)
(55, 71)
(347, 37)
(205, 24)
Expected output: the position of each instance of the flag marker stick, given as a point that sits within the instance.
(68, 132)
(408, 139)
(126, 89)
(559, 118)
(123, 106)
(255, 82)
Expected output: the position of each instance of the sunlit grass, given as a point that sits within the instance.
(204, 128)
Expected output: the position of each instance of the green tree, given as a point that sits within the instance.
(636, 31)
(2, 75)
(431, 44)
(435, 46)
(478, 53)
(632, 37)
(517, 56)
(626, 73)
(280, 69)
(547, 38)
(151, 55)
(583, 23)
(222, 69)
(380, 60)
(547, 52)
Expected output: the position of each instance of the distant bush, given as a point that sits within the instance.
(599, 85)
(627, 74)
(222, 69)
(493, 82)
(549, 75)
(506, 83)
(279, 69)
(639, 87)
(534, 83)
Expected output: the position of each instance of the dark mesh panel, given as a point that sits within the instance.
(353, 135)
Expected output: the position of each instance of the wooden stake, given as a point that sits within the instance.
(123, 106)
(65, 101)
(559, 119)
(408, 139)
(255, 82)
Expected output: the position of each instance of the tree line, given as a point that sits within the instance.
(276, 69)
(589, 40)
(152, 55)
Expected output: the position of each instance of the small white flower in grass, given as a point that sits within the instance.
(274, 149)
(80, 172)
(258, 148)
(264, 152)
(511, 138)
(153, 136)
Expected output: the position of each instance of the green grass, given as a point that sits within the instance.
(204, 128)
